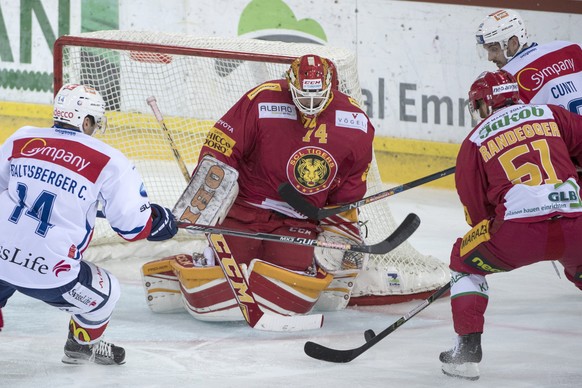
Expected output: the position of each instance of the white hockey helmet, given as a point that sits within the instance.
(500, 26)
(74, 102)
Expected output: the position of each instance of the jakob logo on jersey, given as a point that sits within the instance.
(311, 170)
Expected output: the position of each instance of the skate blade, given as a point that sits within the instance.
(467, 371)
(85, 361)
(75, 361)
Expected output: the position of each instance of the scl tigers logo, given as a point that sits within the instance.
(311, 170)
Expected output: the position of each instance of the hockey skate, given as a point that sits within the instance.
(101, 352)
(463, 360)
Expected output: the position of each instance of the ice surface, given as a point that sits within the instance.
(533, 333)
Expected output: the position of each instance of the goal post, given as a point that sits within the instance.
(195, 81)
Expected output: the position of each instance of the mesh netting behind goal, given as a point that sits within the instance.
(195, 81)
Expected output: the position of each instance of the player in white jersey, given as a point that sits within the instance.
(52, 181)
(548, 73)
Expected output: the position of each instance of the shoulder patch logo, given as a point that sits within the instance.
(219, 141)
(311, 170)
(354, 120)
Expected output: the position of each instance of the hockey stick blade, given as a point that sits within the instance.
(369, 334)
(299, 203)
(323, 353)
(404, 230)
(401, 234)
(296, 200)
(272, 322)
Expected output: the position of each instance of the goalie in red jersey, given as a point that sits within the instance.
(304, 131)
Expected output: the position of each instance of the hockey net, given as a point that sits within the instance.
(195, 81)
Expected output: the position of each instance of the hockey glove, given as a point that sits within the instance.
(163, 224)
(334, 260)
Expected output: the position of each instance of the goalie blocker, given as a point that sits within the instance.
(209, 195)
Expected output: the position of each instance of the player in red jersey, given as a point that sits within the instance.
(548, 73)
(300, 130)
(516, 178)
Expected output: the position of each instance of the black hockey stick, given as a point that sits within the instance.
(299, 203)
(404, 230)
(323, 353)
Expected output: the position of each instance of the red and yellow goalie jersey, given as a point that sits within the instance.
(269, 142)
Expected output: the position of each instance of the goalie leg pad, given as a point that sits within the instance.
(285, 292)
(205, 293)
(161, 285)
(337, 295)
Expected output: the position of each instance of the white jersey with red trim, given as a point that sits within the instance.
(51, 182)
(550, 74)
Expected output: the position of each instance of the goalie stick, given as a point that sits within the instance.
(154, 105)
(323, 353)
(404, 230)
(250, 309)
(299, 203)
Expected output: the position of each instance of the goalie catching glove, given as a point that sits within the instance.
(342, 229)
(343, 265)
(163, 224)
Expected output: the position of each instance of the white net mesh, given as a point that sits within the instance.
(195, 81)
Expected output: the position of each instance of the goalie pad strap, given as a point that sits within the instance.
(161, 285)
(337, 295)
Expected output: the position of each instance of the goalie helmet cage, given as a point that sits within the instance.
(195, 81)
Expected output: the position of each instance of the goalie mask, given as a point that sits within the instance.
(499, 27)
(310, 80)
(495, 90)
(74, 102)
